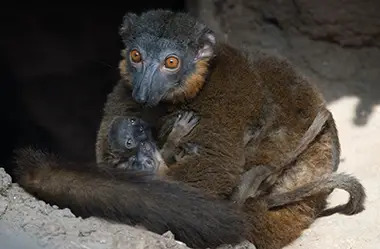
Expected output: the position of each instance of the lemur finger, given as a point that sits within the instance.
(183, 118)
(188, 116)
(193, 122)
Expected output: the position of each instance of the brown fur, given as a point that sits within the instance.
(192, 84)
(261, 177)
(268, 97)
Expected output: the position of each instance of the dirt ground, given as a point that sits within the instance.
(350, 81)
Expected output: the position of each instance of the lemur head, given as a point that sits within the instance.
(166, 55)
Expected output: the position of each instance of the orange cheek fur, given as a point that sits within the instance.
(192, 85)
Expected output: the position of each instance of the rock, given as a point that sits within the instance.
(346, 22)
(5, 180)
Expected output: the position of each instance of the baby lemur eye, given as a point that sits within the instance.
(171, 62)
(128, 143)
(135, 56)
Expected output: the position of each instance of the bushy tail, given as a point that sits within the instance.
(325, 184)
(158, 205)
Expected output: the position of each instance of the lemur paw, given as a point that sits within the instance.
(185, 123)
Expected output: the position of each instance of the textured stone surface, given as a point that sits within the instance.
(346, 22)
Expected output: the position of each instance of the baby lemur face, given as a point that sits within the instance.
(166, 55)
(144, 160)
(126, 133)
(131, 140)
(131, 137)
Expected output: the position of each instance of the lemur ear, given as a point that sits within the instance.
(128, 20)
(206, 43)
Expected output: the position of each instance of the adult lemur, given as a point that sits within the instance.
(253, 111)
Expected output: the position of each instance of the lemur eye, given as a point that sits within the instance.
(128, 143)
(149, 163)
(171, 62)
(135, 56)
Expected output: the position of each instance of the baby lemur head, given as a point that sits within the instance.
(166, 55)
(126, 133)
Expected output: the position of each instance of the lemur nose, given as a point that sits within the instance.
(139, 95)
(128, 142)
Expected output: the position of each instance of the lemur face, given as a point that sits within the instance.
(162, 51)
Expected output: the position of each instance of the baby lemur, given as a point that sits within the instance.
(131, 143)
(253, 111)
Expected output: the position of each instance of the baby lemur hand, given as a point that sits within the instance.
(184, 124)
(131, 139)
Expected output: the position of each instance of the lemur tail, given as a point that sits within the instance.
(158, 205)
(325, 184)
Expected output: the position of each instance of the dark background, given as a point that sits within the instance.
(57, 66)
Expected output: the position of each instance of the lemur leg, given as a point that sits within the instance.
(250, 183)
(261, 177)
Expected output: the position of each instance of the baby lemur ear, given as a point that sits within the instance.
(206, 43)
(128, 20)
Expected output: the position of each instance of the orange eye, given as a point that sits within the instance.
(171, 62)
(135, 56)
